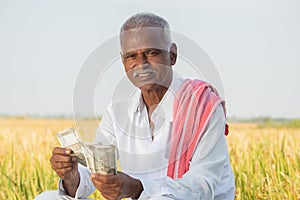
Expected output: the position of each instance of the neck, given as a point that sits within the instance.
(153, 97)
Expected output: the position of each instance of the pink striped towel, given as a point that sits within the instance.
(194, 104)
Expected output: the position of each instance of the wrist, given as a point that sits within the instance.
(72, 178)
(71, 184)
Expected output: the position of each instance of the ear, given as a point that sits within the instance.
(122, 58)
(173, 53)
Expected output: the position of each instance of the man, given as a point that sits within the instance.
(169, 134)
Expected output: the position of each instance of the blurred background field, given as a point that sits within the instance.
(265, 158)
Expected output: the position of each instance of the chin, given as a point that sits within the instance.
(148, 86)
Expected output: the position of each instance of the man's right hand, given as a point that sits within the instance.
(65, 165)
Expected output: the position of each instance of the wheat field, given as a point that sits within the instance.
(266, 161)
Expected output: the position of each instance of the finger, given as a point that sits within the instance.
(107, 190)
(108, 179)
(62, 151)
(105, 185)
(110, 196)
(62, 158)
(61, 165)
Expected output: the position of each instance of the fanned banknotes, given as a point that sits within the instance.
(69, 138)
(97, 157)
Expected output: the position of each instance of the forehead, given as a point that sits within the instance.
(143, 38)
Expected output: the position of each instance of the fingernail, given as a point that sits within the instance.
(67, 151)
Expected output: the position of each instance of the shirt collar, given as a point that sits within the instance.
(165, 107)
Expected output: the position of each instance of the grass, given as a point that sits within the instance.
(25, 150)
(265, 160)
(272, 123)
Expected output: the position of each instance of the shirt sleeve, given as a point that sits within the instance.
(85, 188)
(206, 167)
(105, 131)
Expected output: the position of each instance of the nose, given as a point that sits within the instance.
(142, 60)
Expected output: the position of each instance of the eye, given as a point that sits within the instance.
(128, 56)
(152, 52)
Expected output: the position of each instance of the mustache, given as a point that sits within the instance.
(142, 71)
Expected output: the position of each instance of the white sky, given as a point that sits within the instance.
(254, 45)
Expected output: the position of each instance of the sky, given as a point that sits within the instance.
(253, 44)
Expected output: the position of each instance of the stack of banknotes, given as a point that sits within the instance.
(97, 157)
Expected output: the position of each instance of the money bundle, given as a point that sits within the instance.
(97, 157)
(101, 158)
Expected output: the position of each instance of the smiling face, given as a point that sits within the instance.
(147, 58)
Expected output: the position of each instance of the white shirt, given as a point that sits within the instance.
(126, 125)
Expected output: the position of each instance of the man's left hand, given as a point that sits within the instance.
(115, 187)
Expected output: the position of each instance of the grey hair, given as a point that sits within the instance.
(142, 20)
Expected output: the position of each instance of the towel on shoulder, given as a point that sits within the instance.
(194, 104)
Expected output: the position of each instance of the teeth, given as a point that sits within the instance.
(143, 74)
